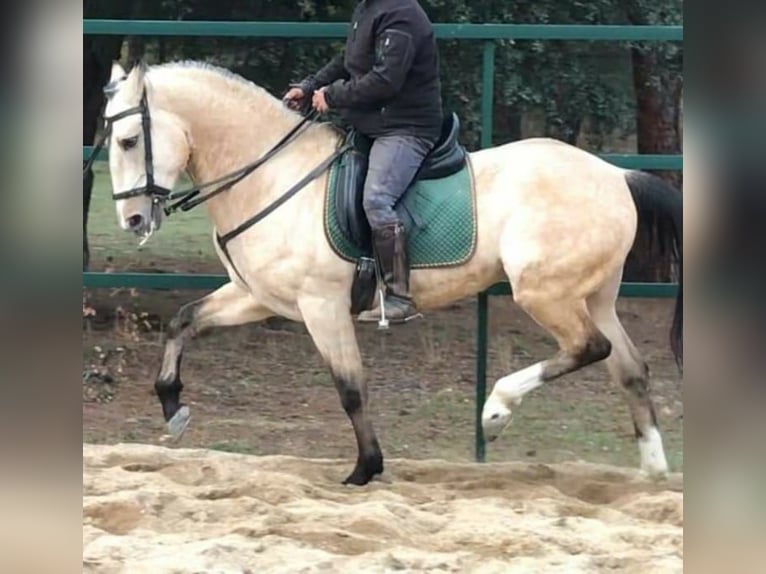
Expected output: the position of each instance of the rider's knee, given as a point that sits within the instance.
(377, 209)
(374, 197)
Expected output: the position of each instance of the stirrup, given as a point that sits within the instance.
(383, 321)
(383, 317)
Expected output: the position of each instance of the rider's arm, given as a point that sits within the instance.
(332, 71)
(394, 54)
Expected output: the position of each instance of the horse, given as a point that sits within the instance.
(555, 221)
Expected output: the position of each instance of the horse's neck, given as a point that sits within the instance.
(232, 127)
(226, 139)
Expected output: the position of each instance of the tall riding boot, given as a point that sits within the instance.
(390, 244)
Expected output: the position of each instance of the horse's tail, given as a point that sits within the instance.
(660, 213)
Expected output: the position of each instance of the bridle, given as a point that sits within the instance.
(150, 188)
(189, 198)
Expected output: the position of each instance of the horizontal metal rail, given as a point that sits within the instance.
(338, 30)
(637, 290)
(100, 280)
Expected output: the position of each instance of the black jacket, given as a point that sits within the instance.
(386, 81)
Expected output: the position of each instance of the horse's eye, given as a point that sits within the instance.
(128, 143)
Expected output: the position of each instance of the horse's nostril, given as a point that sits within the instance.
(135, 221)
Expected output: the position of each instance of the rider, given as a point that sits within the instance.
(386, 85)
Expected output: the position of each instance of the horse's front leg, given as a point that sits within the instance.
(332, 329)
(227, 306)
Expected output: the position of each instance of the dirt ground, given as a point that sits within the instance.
(154, 510)
(261, 389)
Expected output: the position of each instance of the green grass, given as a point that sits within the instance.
(184, 237)
(589, 429)
(546, 427)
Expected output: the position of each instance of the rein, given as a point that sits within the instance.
(189, 197)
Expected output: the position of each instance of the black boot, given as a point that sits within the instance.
(390, 244)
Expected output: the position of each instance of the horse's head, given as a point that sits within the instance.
(149, 148)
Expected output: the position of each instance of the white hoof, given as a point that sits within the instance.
(653, 461)
(495, 418)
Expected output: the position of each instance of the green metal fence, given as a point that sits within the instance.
(488, 34)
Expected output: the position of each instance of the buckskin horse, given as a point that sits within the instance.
(283, 195)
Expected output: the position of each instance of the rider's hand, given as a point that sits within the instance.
(293, 98)
(319, 102)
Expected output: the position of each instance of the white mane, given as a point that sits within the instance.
(200, 65)
(231, 79)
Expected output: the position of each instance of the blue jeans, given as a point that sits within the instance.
(394, 161)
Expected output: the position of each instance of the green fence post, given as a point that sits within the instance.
(487, 104)
(487, 92)
(481, 371)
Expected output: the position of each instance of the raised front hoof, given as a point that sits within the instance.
(178, 423)
(365, 471)
(495, 418)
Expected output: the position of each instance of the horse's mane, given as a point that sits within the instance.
(206, 66)
(233, 79)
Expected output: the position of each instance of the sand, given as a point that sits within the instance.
(162, 510)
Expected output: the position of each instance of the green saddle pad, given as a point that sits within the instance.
(440, 215)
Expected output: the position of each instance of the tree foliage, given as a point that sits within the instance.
(577, 91)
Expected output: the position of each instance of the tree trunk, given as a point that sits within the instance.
(657, 107)
(507, 124)
(136, 50)
(658, 87)
(98, 54)
(95, 76)
(658, 93)
(92, 76)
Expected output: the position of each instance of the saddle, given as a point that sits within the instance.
(437, 210)
(446, 158)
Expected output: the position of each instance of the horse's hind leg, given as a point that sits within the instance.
(330, 325)
(627, 367)
(580, 344)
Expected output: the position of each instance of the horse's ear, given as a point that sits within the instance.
(134, 83)
(140, 67)
(117, 76)
(118, 73)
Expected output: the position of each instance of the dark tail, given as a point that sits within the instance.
(660, 213)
